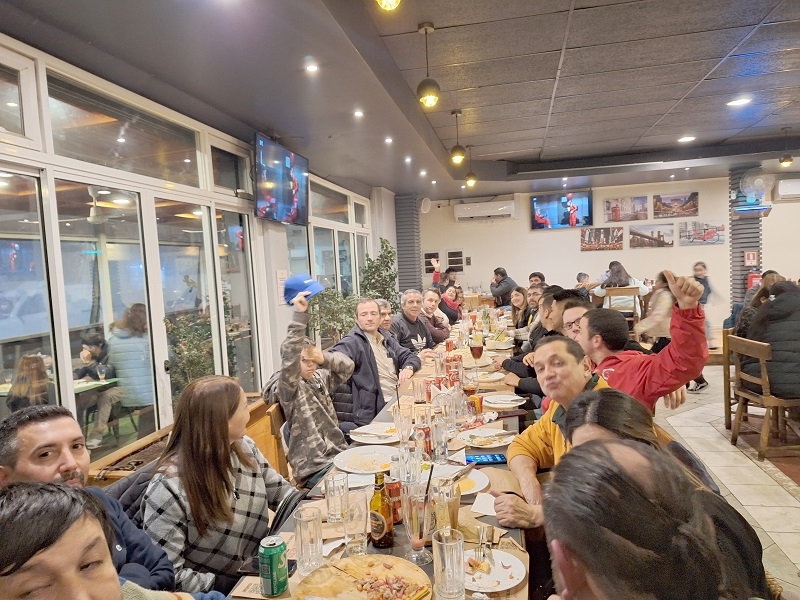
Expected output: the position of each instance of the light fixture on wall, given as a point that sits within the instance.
(457, 153)
(786, 159)
(428, 89)
(472, 179)
(388, 4)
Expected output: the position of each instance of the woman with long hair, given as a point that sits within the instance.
(659, 314)
(618, 277)
(748, 313)
(519, 308)
(31, 385)
(207, 503)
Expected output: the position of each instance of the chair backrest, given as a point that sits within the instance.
(632, 291)
(726, 366)
(760, 351)
(265, 430)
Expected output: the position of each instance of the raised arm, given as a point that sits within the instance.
(292, 346)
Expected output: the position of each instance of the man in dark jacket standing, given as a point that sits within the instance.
(381, 364)
(501, 287)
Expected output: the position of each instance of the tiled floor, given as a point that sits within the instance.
(768, 499)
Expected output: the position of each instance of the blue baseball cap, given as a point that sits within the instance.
(301, 283)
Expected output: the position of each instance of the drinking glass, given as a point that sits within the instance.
(410, 462)
(439, 363)
(308, 538)
(423, 416)
(476, 349)
(403, 415)
(417, 521)
(336, 489)
(8, 376)
(446, 499)
(448, 564)
(418, 385)
(439, 436)
(101, 372)
(355, 523)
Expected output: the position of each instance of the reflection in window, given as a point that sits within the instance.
(93, 128)
(361, 256)
(297, 242)
(10, 101)
(25, 323)
(233, 242)
(360, 213)
(107, 314)
(345, 262)
(330, 205)
(227, 169)
(324, 259)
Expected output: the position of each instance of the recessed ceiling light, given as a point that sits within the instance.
(187, 160)
(12, 104)
(121, 140)
(423, 173)
(197, 212)
(5, 175)
(686, 168)
(103, 192)
(463, 187)
(68, 224)
(672, 176)
(359, 113)
(388, 140)
(433, 182)
(122, 201)
(563, 185)
(739, 102)
(312, 68)
(563, 179)
(408, 159)
(687, 138)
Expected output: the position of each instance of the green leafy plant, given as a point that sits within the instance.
(332, 315)
(379, 276)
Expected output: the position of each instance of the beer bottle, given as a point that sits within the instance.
(380, 514)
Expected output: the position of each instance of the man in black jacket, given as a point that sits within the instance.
(381, 366)
(501, 287)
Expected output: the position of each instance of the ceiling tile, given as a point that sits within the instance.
(611, 113)
(479, 42)
(588, 138)
(758, 64)
(615, 126)
(644, 20)
(497, 138)
(473, 129)
(789, 10)
(490, 113)
(772, 38)
(585, 150)
(490, 72)
(522, 146)
(646, 53)
(515, 155)
(742, 85)
(496, 94)
(729, 119)
(634, 78)
(617, 98)
(663, 140)
(717, 103)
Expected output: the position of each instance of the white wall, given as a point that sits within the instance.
(513, 245)
(779, 240)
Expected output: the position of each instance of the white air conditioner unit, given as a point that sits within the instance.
(482, 211)
(787, 190)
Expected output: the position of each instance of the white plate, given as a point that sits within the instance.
(503, 401)
(365, 459)
(472, 436)
(490, 377)
(471, 484)
(500, 578)
(379, 429)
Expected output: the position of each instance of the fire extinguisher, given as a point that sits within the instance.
(753, 279)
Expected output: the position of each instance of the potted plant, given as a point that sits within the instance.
(379, 276)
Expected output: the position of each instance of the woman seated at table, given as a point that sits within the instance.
(31, 385)
(618, 277)
(207, 503)
(450, 305)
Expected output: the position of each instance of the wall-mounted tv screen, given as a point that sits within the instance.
(281, 183)
(559, 210)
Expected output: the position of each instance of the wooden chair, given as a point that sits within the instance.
(633, 293)
(264, 428)
(775, 415)
(728, 398)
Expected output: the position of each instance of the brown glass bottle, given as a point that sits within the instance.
(380, 515)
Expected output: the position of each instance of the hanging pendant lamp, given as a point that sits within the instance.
(472, 179)
(428, 89)
(457, 152)
(786, 160)
(388, 4)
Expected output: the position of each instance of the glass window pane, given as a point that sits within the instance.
(107, 312)
(102, 131)
(10, 101)
(360, 213)
(233, 238)
(297, 242)
(345, 262)
(187, 284)
(361, 256)
(227, 169)
(25, 323)
(327, 204)
(324, 259)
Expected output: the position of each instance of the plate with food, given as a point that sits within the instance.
(365, 459)
(474, 482)
(375, 433)
(482, 576)
(490, 377)
(369, 577)
(503, 401)
(486, 438)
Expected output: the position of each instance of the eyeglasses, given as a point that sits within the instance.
(576, 324)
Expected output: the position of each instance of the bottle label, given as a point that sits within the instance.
(379, 525)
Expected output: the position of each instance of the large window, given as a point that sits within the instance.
(93, 128)
(329, 205)
(10, 101)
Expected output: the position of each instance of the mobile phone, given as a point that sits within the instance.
(250, 566)
(487, 459)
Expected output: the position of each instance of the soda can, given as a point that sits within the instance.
(429, 381)
(393, 489)
(273, 566)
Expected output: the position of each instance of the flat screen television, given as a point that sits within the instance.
(281, 183)
(561, 210)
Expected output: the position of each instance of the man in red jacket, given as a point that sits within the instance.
(647, 377)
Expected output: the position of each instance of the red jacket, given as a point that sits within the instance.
(647, 377)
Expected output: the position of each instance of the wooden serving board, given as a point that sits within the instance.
(339, 582)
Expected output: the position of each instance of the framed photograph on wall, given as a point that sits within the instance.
(669, 206)
(701, 233)
(660, 235)
(633, 208)
(601, 238)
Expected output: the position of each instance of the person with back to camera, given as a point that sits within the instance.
(56, 542)
(31, 385)
(618, 277)
(207, 504)
(129, 352)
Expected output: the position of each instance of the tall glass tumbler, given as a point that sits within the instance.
(308, 539)
(336, 489)
(448, 564)
(356, 524)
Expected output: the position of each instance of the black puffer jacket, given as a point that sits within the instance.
(781, 331)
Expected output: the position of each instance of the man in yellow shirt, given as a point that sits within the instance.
(564, 371)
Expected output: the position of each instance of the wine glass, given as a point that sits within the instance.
(476, 349)
(417, 520)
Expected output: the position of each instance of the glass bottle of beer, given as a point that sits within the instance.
(380, 514)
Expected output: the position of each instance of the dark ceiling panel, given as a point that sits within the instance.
(621, 98)
(772, 38)
(647, 53)
(633, 78)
